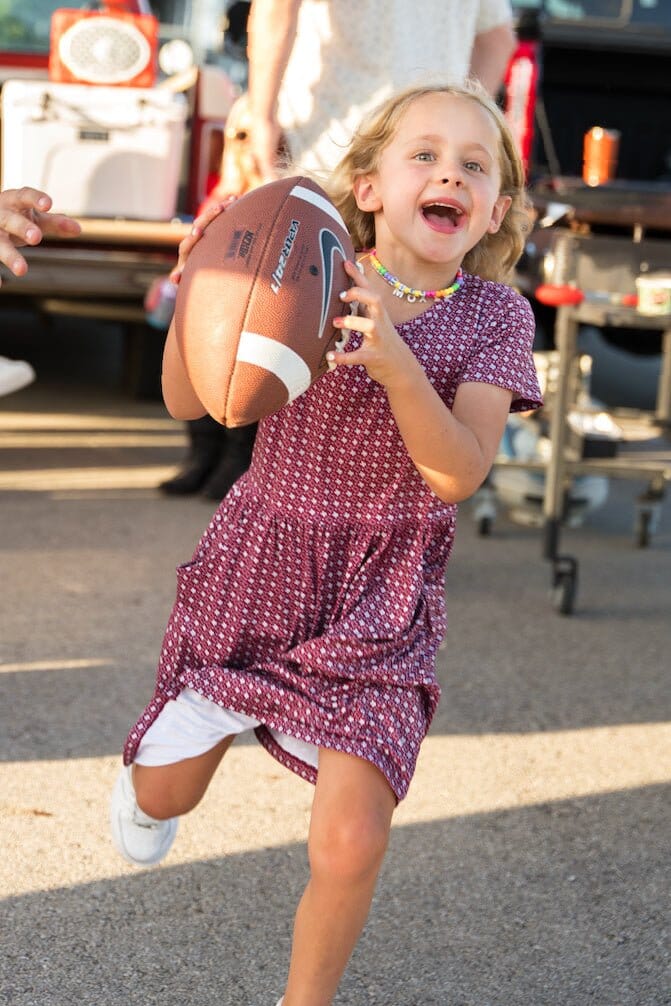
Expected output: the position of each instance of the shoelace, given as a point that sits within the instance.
(143, 820)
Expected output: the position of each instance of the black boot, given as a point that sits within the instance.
(207, 444)
(233, 463)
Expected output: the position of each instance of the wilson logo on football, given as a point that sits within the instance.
(102, 48)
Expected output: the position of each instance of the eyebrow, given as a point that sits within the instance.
(435, 138)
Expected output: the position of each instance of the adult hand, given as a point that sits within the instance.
(24, 220)
(266, 140)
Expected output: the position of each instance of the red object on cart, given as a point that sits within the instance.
(570, 296)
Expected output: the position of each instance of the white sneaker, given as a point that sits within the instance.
(14, 375)
(141, 839)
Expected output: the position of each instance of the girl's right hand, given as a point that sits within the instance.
(210, 211)
(386, 357)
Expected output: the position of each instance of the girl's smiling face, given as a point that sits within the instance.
(435, 192)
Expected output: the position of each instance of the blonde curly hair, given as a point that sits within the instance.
(495, 255)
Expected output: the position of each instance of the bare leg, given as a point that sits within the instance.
(349, 831)
(165, 791)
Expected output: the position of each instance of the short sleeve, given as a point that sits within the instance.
(493, 13)
(502, 351)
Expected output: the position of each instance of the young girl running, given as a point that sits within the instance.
(313, 607)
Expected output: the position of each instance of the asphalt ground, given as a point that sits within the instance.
(529, 865)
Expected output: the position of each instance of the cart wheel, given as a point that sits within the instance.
(484, 509)
(485, 527)
(565, 585)
(642, 528)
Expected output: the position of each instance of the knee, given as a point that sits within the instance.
(349, 850)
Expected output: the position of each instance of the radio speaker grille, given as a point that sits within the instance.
(108, 48)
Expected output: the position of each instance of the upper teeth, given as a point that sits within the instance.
(447, 208)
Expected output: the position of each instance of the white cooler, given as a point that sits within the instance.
(98, 151)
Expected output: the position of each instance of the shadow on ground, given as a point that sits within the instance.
(547, 906)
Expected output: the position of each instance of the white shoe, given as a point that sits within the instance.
(141, 839)
(14, 375)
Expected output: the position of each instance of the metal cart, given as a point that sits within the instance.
(587, 268)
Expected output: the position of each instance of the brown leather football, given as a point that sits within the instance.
(254, 308)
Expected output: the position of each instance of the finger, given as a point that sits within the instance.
(369, 303)
(26, 198)
(339, 358)
(58, 224)
(186, 246)
(356, 323)
(352, 269)
(10, 257)
(212, 209)
(39, 200)
(209, 213)
(15, 228)
(355, 293)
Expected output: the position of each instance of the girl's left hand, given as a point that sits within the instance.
(387, 359)
(209, 212)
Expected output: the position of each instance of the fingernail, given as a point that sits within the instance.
(343, 294)
(330, 357)
(32, 234)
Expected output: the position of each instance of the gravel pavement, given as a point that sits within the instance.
(529, 865)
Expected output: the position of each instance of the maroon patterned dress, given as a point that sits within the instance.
(315, 599)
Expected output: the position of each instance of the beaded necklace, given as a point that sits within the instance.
(401, 290)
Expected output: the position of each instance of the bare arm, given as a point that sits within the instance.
(452, 450)
(491, 54)
(272, 29)
(180, 399)
(24, 220)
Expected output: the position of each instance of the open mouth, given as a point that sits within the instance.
(444, 217)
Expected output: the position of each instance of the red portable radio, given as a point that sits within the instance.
(109, 46)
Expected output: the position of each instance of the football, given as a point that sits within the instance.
(254, 308)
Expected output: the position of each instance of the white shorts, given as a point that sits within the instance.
(190, 725)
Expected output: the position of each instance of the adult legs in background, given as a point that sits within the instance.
(233, 462)
(217, 457)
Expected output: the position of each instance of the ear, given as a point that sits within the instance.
(365, 193)
(501, 207)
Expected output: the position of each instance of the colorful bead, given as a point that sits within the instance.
(408, 291)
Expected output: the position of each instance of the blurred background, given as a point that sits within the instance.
(119, 110)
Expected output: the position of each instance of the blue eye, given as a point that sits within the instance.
(424, 155)
(474, 166)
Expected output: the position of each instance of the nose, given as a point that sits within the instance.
(457, 181)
